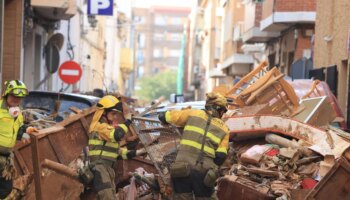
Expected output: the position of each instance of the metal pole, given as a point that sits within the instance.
(36, 166)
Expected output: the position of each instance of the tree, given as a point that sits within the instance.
(153, 87)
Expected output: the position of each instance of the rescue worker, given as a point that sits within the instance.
(11, 129)
(104, 148)
(203, 147)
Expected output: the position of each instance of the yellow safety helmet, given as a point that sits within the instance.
(15, 87)
(108, 102)
(215, 99)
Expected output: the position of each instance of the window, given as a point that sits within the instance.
(174, 53)
(158, 36)
(174, 36)
(141, 71)
(157, 53)
(160, 20)
(140, 57)
(141, 40)
(177, 21)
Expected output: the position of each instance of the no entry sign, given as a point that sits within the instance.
(70, 72)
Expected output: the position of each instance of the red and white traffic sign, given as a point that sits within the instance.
(70, 72)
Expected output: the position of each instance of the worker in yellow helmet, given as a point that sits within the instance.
(11, 129)
(104, 147)
(203, 147)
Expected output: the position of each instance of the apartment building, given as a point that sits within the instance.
(158, 34)
(293, 22)
(26, 27)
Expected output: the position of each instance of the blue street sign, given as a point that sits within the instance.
(100, 7)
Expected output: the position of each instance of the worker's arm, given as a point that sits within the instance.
(21, 131)
(121, 130)
(111, 134)
(176, 117)
(221, 151)
(129, 154)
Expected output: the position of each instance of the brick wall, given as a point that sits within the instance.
(12, 40)
(304, 42)
(332, 21)
(258, 14)
(295, 5)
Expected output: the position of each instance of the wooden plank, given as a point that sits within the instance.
(56, 149)
(335, 185)
(86, 126)
(21, 162)
(36, 166)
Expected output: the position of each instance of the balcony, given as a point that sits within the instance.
(255, 35)
(216, 73)
(281, 14)
(252, 32)
(239, 64)
(55, 9)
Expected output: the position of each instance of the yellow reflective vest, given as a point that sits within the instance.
(9, 127)
(107, 148)
(194, 123)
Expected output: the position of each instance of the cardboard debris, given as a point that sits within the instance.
(254, 154)
(326, 165)
(288, 152)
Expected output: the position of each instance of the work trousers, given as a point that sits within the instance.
(103, 182)
(192, 187)
(5, 185)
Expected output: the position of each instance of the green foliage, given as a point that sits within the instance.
(153, 87)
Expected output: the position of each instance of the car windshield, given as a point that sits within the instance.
(46, 101)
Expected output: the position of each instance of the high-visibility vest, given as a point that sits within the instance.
(9, 127)
(107, 150)
(193, 134)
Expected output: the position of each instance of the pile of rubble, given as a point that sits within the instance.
(283, 147)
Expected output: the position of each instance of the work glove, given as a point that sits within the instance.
(26, 137)
(129, 116)
(31, 130)
(128, 119)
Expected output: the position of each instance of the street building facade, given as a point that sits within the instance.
(331, 49)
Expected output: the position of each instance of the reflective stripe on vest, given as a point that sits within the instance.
(198, 146)
(8, 127)
(201, 131)
(194, 133)
(99, 149)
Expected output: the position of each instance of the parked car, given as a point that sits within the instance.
(46, 102)
(173, 106)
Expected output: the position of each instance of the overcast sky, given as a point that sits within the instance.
(177, 3)
(124, 5)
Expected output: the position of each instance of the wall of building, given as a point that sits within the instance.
(332, 30)
(12, 40)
